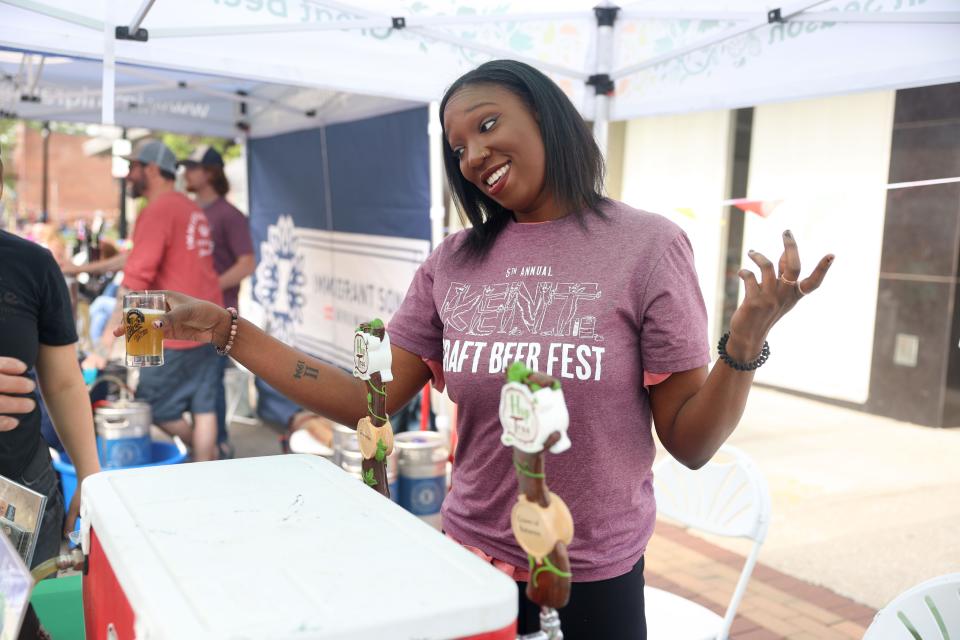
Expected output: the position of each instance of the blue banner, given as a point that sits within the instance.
(340, 218)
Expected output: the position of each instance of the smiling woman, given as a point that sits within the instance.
(577, 286)
(516, 147)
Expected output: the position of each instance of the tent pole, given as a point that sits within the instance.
(109, 71)
(379, 22)
(200, 87)
(122, 221)
(140, 15)
(437, 207)
(606, 16)
(784, 14)
(880, 17)
(32, 90)
(900, 17)
(56, 13)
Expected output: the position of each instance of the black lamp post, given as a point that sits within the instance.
(45, 186)
(122, 226)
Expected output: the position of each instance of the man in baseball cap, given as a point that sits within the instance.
(173, 249)
(232, 246)
(203, 156)
(150, 153)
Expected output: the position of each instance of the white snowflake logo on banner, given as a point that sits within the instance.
(281, 279)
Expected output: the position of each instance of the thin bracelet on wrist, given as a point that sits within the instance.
(234, 318)
(742, 366)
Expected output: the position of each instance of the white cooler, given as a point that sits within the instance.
(275, 547)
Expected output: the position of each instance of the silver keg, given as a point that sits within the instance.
(423, 473)
(123, 434)
(346, 451)
(344, 439)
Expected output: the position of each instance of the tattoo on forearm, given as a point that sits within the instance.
(303, 370)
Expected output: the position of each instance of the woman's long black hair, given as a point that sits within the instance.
(574, 164)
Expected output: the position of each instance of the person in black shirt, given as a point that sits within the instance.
(37, 331)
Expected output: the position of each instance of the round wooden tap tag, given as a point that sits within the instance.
(538, 529)
(368, 436)
(532, 528)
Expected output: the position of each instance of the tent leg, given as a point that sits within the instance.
(604, 64)
(109, 75)
(138, 18)
(122, 222)
(601, 129)
(437, 207)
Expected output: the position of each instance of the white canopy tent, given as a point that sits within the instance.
(43, 87)
(264, 67)
(294, 63)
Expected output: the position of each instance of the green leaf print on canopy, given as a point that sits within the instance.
(520, 41)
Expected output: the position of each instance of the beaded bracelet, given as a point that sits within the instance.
(234, 317)
(742, 366)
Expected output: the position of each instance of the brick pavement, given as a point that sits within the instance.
(775, 605)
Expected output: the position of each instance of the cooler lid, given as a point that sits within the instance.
(284, 547)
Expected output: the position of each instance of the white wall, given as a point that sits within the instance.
(827, 159)
(681, 162)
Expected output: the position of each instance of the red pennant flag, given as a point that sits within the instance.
(762, 208)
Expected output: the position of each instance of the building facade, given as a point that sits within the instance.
(78, 186)
(873, 178)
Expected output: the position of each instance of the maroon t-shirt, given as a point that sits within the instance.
(231, 239)
(594, 307)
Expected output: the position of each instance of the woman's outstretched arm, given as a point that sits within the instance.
(309, 382)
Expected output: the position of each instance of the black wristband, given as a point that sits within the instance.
(742, 366)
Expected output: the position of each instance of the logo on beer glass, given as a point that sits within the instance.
(135, 328)
(144, 341)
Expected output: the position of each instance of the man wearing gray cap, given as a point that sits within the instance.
(173, 249)
(232, 246)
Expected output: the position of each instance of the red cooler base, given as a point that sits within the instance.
(104, 603)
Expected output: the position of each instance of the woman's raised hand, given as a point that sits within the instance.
(770, 299)
(191, 319)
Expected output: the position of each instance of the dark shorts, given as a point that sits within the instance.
(187, 382)
(609, 609)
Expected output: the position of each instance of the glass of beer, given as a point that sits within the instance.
(144, 341)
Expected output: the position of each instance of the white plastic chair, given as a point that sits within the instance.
(728, 496)
(928, 611)
(237, 381)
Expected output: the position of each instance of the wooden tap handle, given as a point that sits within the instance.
(550, 576)
(375, 471)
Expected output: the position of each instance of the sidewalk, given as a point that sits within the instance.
(775, 605)
(862, 505)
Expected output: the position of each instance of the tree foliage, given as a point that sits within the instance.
(182, 146)
(7, 141)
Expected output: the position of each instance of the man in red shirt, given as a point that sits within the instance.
(232, 247)
(173, 249)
